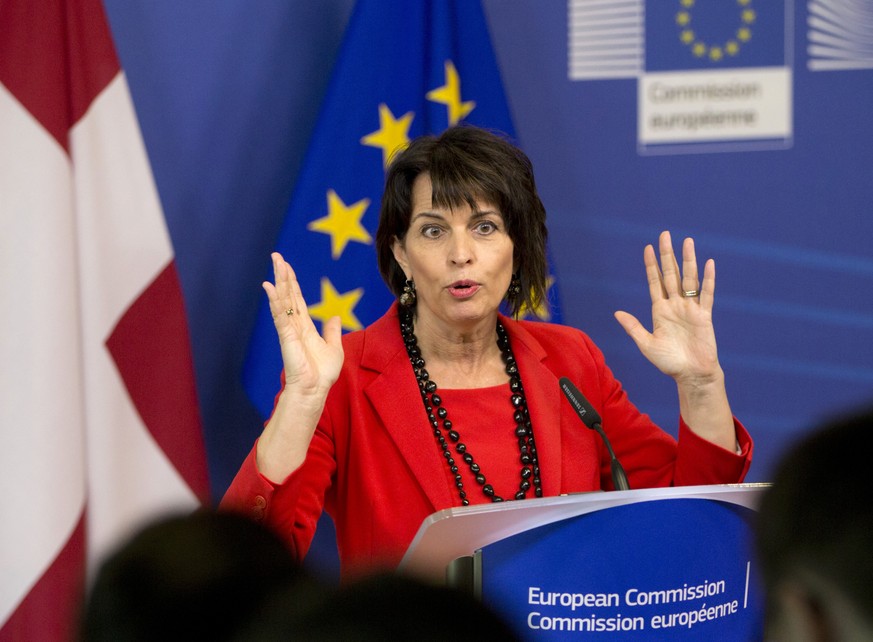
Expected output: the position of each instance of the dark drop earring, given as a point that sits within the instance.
(514, 288)
(407, 298)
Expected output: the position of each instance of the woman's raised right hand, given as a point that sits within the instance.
(312, 363)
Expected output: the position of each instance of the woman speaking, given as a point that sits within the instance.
(447, 401)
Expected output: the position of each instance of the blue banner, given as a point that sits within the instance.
(678, 569)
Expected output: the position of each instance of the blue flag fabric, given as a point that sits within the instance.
(406, 68)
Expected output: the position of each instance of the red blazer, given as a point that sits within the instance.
(373, 463)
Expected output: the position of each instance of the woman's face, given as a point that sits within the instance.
(460, 258)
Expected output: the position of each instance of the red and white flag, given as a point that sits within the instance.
(99, 424)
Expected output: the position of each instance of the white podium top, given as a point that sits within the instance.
(455, 532)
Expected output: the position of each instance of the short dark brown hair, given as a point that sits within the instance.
(467, 164)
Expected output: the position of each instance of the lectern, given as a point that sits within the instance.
(651, 564)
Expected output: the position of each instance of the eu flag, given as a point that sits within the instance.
(406, 68)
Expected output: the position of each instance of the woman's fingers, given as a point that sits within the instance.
(284, 277)
(653, 275)
(277, 292)
(669, 266)
(285, 296)
(707, 288)
(690, 280)
(634, 329)
(333, 332)
(667, 280)
(296, 300)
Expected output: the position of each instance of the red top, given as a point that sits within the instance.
(484, 419)
(373, 463)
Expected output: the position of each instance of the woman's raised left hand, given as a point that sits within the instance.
(682, 341)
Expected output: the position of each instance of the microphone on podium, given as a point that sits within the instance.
(591, 418)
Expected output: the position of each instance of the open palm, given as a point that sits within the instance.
(682, 341)
(312, 363)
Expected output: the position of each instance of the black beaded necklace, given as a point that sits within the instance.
(436, 413)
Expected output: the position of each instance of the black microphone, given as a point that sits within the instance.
(591, 418)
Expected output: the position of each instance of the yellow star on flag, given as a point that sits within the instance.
(343, 223)
(334, 304)
(392, 135)
(450, 95)
(541, 311)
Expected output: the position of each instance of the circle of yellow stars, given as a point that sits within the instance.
(715, 52)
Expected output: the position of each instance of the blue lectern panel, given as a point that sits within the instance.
(678, 569)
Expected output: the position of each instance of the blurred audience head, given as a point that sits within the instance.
(196, 576)
(815, 536)
(385, 606)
